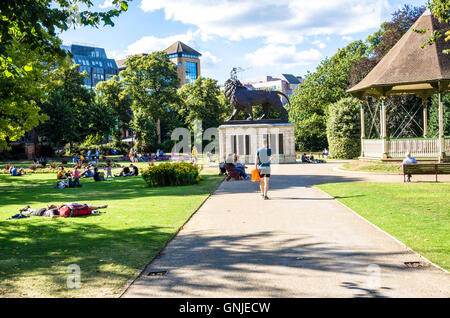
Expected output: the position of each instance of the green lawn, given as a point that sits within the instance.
(418, 214)
(378, 166)
(110, 248)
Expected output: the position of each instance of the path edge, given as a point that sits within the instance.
(131, 282)
(386, 233)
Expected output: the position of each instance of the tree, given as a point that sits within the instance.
(100, 120)
(36, 24)
(20, 96)
(144, 131)
(68, 84)
(325, 86)
(29, 47)
(343, 130)
(152, 82)
(112, 94)
(440, 10)
(201, 101)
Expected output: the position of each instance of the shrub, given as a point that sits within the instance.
(171, 174)
(343, 128)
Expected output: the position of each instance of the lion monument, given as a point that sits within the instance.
(244, 99)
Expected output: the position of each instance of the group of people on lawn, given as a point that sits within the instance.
(69, 179)
(134, 156)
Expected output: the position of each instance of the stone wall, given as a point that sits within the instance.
(245, 139)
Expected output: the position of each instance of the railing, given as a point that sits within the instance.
(396, 148)
(417, 147)
(372, 148)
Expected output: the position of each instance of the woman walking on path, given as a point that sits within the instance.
(262, 164)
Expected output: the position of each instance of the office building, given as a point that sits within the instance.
(94, 61)
(187, 61)
(286, 84)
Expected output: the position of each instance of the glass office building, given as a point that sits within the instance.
(187, 61)
(93, 60)
(191, 72)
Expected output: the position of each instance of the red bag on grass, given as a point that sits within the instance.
(67, 211)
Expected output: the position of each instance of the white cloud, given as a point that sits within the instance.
(347, 38)
(106, 4)
(148, 44)
(208, 58)
(276, 21)
(283, 56)
(320, 44)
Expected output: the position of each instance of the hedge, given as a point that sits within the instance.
(171, 174)
(343, 129)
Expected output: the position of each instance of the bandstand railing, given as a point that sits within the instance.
(397, 148)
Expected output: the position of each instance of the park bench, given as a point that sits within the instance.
(425, 168)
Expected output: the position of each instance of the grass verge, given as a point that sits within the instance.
(109, 248)
(418, 214)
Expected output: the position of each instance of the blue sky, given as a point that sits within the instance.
(265, 37)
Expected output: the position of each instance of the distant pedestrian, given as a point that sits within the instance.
(194, 155)
(262, 164)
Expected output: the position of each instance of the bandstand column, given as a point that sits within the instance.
(425, 117)
(441, 128)
(363, 131)
(383, 132)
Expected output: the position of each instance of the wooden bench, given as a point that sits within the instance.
(425, 168)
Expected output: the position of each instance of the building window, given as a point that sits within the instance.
(191, 72)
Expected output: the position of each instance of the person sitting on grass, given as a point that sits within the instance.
(16, 173)
(67, 209)
(98, 176)
(135, 171)
(124, 173)
(61, 174)
(305, 159)
(87, 173)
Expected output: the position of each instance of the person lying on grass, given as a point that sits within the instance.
(64, 210)
(16, 173)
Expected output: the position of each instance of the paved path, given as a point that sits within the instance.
(301, 243)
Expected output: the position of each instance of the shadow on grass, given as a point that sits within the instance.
(90, 246)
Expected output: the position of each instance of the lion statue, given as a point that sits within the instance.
(242, 98)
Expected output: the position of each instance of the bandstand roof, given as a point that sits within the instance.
(409, 69)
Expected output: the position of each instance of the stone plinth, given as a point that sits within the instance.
(245, 138)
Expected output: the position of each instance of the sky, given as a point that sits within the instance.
(263, 37)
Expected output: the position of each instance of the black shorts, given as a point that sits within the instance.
(264, 173)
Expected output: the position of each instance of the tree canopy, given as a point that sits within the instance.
(36, 23)
(202, 100)
(323, 87)
(151, 81)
